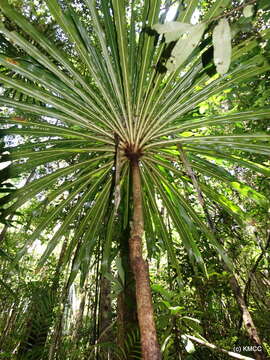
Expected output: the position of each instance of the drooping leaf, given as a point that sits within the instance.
(222, 46)
(185, 46)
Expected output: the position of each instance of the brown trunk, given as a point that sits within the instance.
(105, 310)
(247, 320)
(149, 343)
(127, 319)
(126, 313)
(79, 316)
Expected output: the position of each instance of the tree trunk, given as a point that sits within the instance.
(105, 317)
(247, 320)
(127, 319)
(149, 343)
(79, 315)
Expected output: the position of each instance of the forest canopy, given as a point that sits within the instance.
(134, 179)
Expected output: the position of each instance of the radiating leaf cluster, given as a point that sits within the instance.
(74, 108)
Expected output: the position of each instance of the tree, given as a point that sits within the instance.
(110, 114)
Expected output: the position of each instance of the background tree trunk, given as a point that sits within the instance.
(127, 319)
(247, 319)
(79, 316)
(105, 316)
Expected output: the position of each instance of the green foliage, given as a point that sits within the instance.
(132, 346)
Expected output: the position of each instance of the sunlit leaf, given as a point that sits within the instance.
(185, 46)
(222, 46)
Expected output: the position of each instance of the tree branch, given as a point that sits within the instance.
(214, 347)
(233, 10)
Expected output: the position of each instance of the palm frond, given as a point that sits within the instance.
(108, 94)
